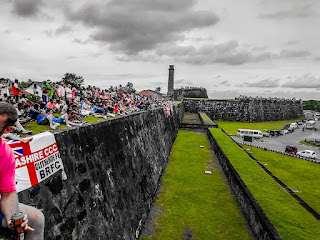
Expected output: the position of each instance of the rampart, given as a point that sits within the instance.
(113, 171)
(246, 110)
(258, 221)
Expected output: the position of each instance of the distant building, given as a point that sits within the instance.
(35, 88)
(150, 93)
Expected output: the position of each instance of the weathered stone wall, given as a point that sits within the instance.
(255, 110)
(113, 170)
(258, 221)
(181, 93)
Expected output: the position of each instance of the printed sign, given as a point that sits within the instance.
(36, 160)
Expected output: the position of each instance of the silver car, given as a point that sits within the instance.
(307, 153)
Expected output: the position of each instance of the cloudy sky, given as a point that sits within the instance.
(232, 48)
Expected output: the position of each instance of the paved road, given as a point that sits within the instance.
(279, 143)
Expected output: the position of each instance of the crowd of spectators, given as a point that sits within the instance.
(62, 104)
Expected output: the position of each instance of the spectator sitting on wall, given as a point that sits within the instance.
(86, 108)
(18, 125)
(46, 118)
(23, 99)
(51, 105)
(34, 111)
(75, 115)
(97, 109)
(12, 136)
(9, 197)
(65, 107)
(64, 119)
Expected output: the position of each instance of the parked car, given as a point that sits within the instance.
(290, 129)
(284, 132)
(310, 125)
(291, 149)
(294, 125)
(275, 132)
(307, 153)
(300, 122)
(266, 133)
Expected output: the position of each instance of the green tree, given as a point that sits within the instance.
(73, 80)
(158, 89)
(24, 84)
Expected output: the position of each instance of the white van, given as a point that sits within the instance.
(249, 132)
(310, 124)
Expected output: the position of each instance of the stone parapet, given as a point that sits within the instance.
(113, 171)
(246, 110)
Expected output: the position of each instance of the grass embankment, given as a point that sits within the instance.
(196, 98)
(290, 219)
(210, 99)
(308, 144)
(191, 118)
(297, 174)
(192, 201)
(35, 128)
(232, 127)
(205, 118)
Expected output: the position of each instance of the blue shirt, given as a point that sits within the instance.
(40, 117)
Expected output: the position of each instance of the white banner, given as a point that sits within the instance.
(36, 160)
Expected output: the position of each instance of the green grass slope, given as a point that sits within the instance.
(297, 174)
(192, 201)
(290, 219)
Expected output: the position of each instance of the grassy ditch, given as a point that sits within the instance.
(232, 127)
(299, 175)
(193, 203)
(290, 219)
(191, 118)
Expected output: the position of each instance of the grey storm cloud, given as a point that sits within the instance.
(183, 82)
(26, 8)
(294, 53)
(218, 53)
(305, 81)
(295, 9)
(298, 10)
(228, 52)
(266, 83)
(63, 29)
(138, 25)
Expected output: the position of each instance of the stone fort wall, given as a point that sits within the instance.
(113, 171)
(246, 110)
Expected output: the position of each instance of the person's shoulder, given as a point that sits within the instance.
(6, 150)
